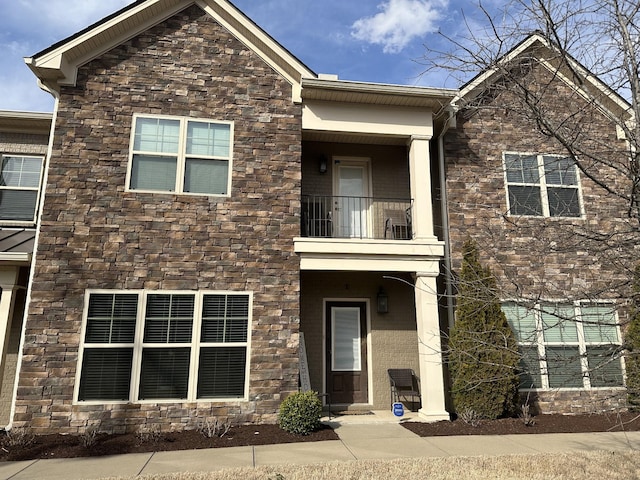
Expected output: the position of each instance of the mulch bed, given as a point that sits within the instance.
(542, 424)
(68, 446)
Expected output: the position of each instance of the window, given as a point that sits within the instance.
(180, 155)
(567, 346)
(19, 188)
(542, 185)
(146, 346)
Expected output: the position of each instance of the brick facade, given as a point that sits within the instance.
(558, 259)
(96, 235)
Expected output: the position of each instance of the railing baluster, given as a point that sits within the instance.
(356, 217)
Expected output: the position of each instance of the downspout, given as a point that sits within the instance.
(445, 215)
(47, 88)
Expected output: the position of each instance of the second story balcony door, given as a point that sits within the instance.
(351, 188)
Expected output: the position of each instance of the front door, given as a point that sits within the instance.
(351, 198)
(346, 354)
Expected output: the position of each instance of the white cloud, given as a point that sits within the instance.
(399, 22)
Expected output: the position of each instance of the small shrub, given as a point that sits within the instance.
(149, 435)
(526, 416)
(19, 437)
(89, 437)
(213, 428)
(470, 417)
(300, 413)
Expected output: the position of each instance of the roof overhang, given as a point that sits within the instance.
(18, 259)
(25, 122)
(58, 65)
(371, 113)
(563, 67)
(343, 91)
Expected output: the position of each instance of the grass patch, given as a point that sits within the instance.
(566, 466)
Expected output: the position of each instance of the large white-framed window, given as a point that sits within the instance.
(155, 346)
(542, 185)
(567, 345)
(180, 155)
(20, 178)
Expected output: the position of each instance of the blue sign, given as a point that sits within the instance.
(398, 409)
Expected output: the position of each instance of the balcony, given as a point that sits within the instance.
(365, 218)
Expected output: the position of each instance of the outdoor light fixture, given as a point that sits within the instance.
(323, 164)
(383, 301)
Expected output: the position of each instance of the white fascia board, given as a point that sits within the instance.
(384, 248)
(270, 51)
(486, 77)
(61, 65)
(365, 263)
(11, 258)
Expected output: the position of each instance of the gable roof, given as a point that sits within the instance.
(546, 55)
(58, 64)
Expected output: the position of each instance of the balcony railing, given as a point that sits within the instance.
(356, 217)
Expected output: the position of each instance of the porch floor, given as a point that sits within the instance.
(372, 417)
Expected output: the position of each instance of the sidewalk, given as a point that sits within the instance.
(361, 438)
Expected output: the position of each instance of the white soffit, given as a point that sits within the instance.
(59, 64)
(537, 42)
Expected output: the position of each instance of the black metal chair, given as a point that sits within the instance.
(404, 383)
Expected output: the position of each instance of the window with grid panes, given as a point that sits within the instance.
(567, 346)
(20, 178)
(185, 346)
(182, 155)
(542, 185)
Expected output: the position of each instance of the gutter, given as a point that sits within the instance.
(448, 274)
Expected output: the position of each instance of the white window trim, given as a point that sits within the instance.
(138, 346)
(542, 185)
(581, 343)
(31, 189)
(180, 156)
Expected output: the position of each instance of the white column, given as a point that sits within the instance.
(429, 349)
(8, 283)
(420, 176)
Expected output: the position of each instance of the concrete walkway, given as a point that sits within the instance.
(375, 437)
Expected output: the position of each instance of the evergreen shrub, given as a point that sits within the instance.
(300, 413)
(483, 351)
(632, 346)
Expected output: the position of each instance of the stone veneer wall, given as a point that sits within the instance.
(96, 235)
(576, 401)
(536, 257)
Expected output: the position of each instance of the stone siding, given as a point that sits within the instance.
(96, 235)
(576, 402)
(563, 259)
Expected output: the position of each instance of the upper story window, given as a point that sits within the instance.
(19, 188)
(181, 155)
(567, 345)
(542, 185)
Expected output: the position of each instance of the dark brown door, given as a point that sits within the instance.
(347, 352)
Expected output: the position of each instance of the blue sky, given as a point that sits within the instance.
(368, 40)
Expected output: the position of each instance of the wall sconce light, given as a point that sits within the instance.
(322, 166)
(383, 301)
